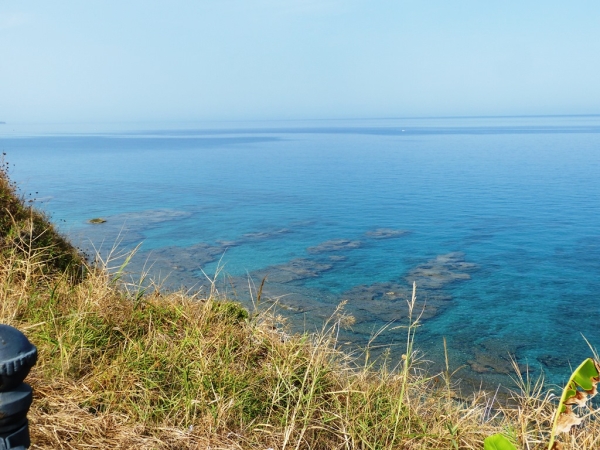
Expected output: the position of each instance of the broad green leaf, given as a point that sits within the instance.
(498, 442)
(585, 373)
(586, 377)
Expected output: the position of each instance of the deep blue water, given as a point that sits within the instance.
(512, 203)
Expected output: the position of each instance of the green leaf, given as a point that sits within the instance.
(584, 374)
(498, 442)
(586, 377)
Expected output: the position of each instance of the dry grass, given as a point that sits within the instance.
(121, 368)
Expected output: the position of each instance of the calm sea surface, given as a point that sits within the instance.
(496, 219)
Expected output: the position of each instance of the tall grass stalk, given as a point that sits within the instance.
(407, 357)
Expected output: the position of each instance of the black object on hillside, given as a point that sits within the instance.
(17, 357)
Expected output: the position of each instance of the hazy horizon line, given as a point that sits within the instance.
(330, 119)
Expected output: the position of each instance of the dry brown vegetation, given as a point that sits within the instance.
(123, 368)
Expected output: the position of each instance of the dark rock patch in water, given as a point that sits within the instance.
(387, 302)
(386, 233)
(441, 271)
(263, 235)
(142, 219)
(294, 270)
(553, 361)
(177, 265)
(490, 356)
(376, 303)
(255, 237)
(334, 245)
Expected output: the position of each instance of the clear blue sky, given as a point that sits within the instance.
(105, 60)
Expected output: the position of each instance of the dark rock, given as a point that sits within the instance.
(296, 269)
(553, 361)
(386, 233)
(388, 301)
(334, 245)
(263, 235)
(441, 271)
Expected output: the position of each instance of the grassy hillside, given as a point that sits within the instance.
(121, 368)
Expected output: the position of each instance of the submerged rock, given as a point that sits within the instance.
(388, 301)
(179, 265)
(553, 361)
(441, 271)
(334, 245)
(492, 355)
(296, 269)
(254, 237)
(143, 219)
(262, 235)
(386, 233)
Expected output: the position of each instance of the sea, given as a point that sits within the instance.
(496, 220)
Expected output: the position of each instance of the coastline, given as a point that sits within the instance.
(508, 218)
(123, 365)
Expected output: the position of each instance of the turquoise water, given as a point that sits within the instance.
(496, 219)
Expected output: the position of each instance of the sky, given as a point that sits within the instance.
(128, 61)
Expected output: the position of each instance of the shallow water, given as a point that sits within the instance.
(496, 219)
